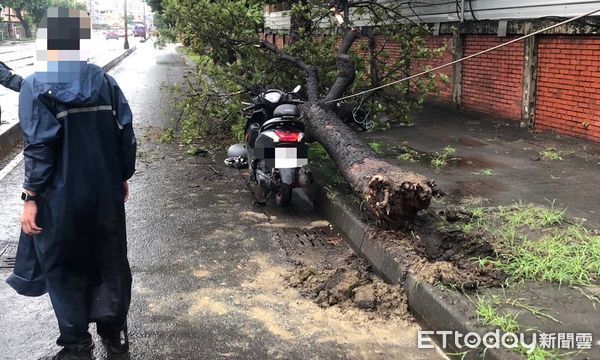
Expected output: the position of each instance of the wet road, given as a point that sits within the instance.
(208, 265)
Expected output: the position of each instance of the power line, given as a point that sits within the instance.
(465, 58)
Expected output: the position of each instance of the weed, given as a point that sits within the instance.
(193, 150)
(320, 161)
(487, 314)
(407, 156)
(167, 136)
(486, 172)
(551, 154)
(541, 354)
(376, 146)
(317, 154)
(238, 129)
(439, 160)
(449, 150)
(534, 310)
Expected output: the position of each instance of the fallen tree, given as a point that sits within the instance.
(390, 193)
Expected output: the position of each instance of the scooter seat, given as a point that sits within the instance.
(286, 110)
(285, 121)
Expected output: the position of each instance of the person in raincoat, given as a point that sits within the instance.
(79, 149)
(8, 79)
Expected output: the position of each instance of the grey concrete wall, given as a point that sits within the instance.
(442, 11)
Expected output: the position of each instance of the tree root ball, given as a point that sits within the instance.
(397, 196)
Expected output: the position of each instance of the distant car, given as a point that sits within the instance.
(139, 31)
(112, 34)
(121, 32)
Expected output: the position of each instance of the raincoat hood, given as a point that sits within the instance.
(83, 88)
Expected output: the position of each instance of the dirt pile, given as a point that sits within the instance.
(350, 285)
(441, 255)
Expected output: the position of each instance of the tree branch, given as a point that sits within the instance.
(346, 67)
(310, 71)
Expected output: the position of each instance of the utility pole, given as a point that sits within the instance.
(145, 27)
(126, 45)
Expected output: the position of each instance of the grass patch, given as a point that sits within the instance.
(551, 155)
(570, 256)
(534, 217)
(537, 243)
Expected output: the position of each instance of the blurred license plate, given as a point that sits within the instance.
(286, 158)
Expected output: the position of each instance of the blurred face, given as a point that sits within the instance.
(62, 44)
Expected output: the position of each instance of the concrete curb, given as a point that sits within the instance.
(111, 64)
(9, 139)
(436, 310)
(12, 137)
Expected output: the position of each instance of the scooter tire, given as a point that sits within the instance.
(283, 196)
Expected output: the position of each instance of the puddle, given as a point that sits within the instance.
(476, 188)
(471, 142)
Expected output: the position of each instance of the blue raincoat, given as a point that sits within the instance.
(79, 148)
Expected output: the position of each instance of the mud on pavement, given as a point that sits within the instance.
(236, 280)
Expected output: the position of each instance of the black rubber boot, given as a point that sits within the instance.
(117, 343)
(66, 354)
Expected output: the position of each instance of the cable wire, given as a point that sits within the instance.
(464, 58)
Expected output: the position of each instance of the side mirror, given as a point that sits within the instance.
(296, 89)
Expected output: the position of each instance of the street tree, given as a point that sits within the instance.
(326, 53)
(35, 10)
(31, 12)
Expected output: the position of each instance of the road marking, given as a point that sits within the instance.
(13, 164)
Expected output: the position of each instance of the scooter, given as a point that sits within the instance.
(275, 150)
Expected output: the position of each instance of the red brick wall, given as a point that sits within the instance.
(568, 87)
(493, 82)
(568, 84)
(277, 39)
(416, 66)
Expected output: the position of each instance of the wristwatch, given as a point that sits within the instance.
(26, 197)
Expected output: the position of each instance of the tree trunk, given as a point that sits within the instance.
(390, 193)
(23, 23)
(373, 68)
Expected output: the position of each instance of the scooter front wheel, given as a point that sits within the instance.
(283, 196)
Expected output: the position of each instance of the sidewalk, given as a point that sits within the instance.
(499, 161)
